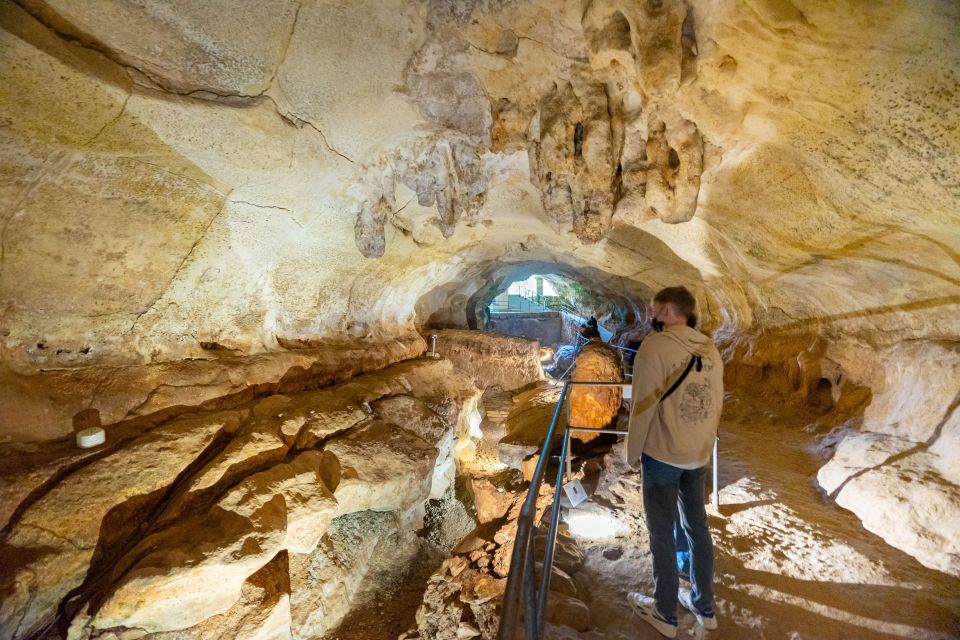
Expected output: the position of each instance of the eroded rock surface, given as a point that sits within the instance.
(595, 407)
(50, 547)
(241, 181)
(198, 519)
(326, 581)
(42, 405)
(492, 360)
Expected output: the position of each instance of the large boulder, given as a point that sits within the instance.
(899, 474)
(528, 423)
(261, 613)
(379, 466)
(595, 407)
(416, 416)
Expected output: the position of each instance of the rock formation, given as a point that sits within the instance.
(170, 529)
(203, 204)
(492, 361)
(595, 407)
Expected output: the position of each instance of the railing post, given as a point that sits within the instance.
(716, 475)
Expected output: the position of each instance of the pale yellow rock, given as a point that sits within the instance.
(912, 506)
(858, 452)
(234, 54)
(919, 380)
(170, 587)
(330, 411)
(381, 467)
(255, 444)
(417, 417)
(322, 415)
(50, 547)
(346, 58)
(262, 613)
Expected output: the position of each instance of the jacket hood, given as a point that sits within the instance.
(692, 340)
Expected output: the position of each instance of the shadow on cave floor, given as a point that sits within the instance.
(790, 563)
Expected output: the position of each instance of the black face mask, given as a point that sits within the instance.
(657, 325)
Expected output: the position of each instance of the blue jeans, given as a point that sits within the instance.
(663, 487)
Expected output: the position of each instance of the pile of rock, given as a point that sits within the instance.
(463, 598)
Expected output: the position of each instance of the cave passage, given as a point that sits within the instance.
(548, 308)
(286, 288)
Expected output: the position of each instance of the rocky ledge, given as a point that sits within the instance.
(244, 519)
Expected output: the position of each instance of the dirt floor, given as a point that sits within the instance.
(789, 563)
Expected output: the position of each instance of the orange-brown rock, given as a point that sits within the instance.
(595, 407)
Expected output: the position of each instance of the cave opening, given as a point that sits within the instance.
(550, 308)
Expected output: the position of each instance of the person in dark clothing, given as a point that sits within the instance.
(590, 329)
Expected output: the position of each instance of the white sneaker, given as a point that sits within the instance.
(646, 608)
(707, 619)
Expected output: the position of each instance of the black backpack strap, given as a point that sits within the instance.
(683, 376)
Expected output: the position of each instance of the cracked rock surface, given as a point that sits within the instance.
(190, 522)
(203, 203)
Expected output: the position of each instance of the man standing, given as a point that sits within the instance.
(677, 396)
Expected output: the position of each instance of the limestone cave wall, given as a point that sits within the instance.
(187, 186)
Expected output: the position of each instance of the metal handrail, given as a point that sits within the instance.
(523, 556)
(616, 346)
(523, 579)
(523, 549)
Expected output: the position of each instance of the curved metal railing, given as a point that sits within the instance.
(521, 580)
(522, 592)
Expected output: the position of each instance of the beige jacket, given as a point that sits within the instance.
(681, 429)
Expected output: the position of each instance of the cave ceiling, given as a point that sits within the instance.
(245, 173)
